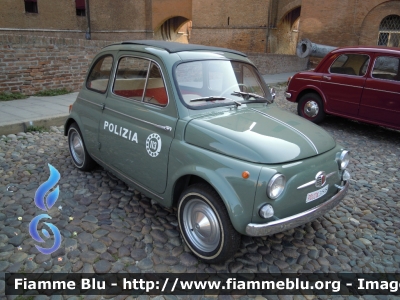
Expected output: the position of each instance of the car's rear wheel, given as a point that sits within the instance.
(77, 149)
(205, 224)
(311, 107)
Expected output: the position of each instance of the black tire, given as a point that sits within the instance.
(77, 149)
(311, 107)
(215, 243)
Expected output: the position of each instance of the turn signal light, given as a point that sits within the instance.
(245, 174)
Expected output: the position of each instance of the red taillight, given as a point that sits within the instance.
(70, 108)
(288, 81)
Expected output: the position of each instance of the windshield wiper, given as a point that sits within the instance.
(246, 96)
(211, 98)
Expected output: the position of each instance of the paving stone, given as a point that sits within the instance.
(115, 226)
(117, 236)
(188, 259)
(102, 266)
(89, 257)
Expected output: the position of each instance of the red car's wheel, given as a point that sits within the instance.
(311, 107)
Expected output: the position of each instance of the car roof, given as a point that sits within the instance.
(173, 47)
(379, 49)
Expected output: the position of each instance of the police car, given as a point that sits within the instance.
(196, 128)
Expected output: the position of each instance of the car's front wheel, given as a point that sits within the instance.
(77, 149)
(205, 224)
(311, 107)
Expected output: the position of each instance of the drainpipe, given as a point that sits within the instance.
(268, 27)
(88, 30)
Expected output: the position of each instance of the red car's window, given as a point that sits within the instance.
(350, 64)
(387, 67)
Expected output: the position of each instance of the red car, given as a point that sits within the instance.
(360, 83)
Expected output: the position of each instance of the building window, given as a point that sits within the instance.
(389, 31)
(80, 8)
(31, 6)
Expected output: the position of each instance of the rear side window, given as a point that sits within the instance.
(387, 67)
(350, 64)
(99, 76)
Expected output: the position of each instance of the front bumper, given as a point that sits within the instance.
(288, 95)
(297, 220)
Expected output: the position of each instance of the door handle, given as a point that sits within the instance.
(326, 77)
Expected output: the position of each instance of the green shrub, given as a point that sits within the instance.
(12, 96)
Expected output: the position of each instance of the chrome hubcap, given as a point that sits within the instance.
(201, 225)
(311, 109)
(76, 146)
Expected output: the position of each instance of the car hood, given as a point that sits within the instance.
(261, 135)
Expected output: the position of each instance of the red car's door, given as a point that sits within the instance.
(380, 101)
(343, 83)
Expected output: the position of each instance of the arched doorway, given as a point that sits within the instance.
(176, 29)
(284, 38)
(389, 31)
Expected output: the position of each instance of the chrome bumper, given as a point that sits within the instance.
(297, 220)
(288, 95)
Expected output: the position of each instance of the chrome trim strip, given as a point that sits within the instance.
(359, 87)
(313, 181)
(308, 79)
(91, 102)
(145, 82)
(273, 227)
(382, 90)
(166, 128)
(128, 179)
(290, 127)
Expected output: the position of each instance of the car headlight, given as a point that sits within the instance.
(276, 186)
(344, 159)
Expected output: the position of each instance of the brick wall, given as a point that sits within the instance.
(344, 23)
(29, 64)
(268, 63)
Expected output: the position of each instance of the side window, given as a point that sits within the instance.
(155, 89)
(251, 83)
(100, 74)
(350, 64)
(131, 77)
(386, 67)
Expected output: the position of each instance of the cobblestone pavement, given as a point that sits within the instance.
(108, 227)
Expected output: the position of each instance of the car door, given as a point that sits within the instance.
(343, 83)
(381, 98)
(138, 123)
(91, 99)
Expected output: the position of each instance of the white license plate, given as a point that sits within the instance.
(317, 194)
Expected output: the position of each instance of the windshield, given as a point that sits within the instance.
(218, 82)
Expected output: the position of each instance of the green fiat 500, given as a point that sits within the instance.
(196, 128)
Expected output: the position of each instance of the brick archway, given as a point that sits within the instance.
(175, 29)
(285, 36)
(369, 31)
